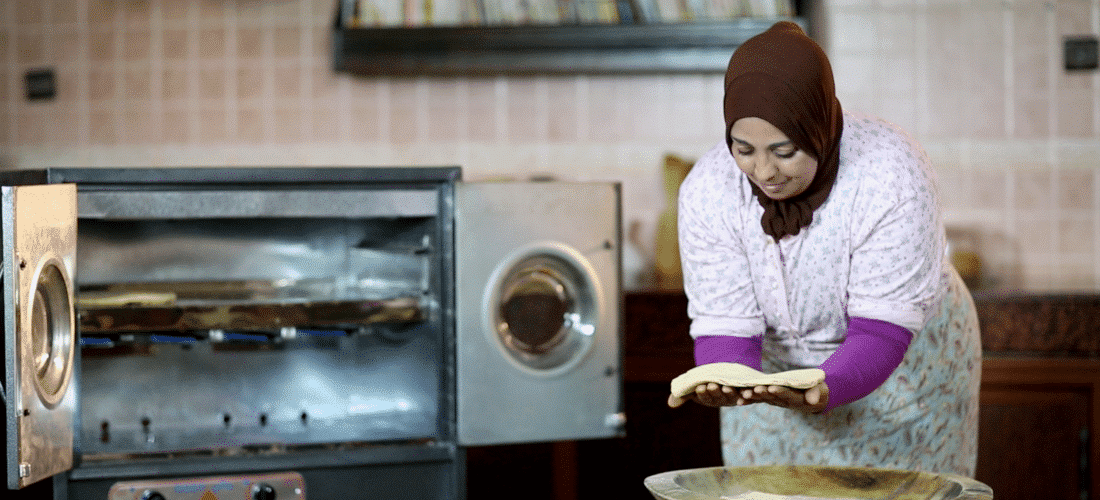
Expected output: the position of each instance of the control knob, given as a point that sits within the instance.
(263, 491)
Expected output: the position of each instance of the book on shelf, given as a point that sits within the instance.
(597, 11)
(645, 11)
(412, 13)
(375, 13)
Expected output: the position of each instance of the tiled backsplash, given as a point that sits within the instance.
(249, 82)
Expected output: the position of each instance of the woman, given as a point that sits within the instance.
(813, 238)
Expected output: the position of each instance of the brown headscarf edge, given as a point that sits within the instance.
(783, 77)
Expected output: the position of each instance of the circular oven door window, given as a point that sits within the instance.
(546, 312)
(51, 332)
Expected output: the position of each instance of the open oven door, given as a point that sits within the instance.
(40, 342)
(538, 306)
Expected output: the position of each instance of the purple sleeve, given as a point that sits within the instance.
(728, 349)
(872, 350)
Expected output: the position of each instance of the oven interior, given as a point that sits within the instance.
(259, 323)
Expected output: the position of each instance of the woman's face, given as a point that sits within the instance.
(770, 159)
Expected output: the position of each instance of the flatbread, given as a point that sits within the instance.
(738, 375)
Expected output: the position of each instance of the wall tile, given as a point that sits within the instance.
(63, 47)
(1077, 154)
(101, 83)
(173, 11)
(856, 31)
(288, 41)
(175, 82)
(174, 45)
(175, 128)
(482, 117)
(322, 44)
(212, 83)
(5, 130)
(29, 13)
(1032, 116)
(325, 129)
(1076, 235)
(983, 66)
(250, 80)
(138, 126)
(136, 12)
(1079, 276)
(897, 33)
(287, 122)
(69, 86)
(649, 122)
(1075, 113)
(135, 83)
(136, 45)
(1038, 236)
(1031, 48)
(985, 116)
(1033, 191)
(105, 11)
(30, 46)
(102, 130)
(30, 126)
(250, 125)
(604, 119)
(403, 119)
(211, 43)
(526, 110)
(1073, 17)
(250, 43)
(213, 128)
(287, 79)
(212, 11)
(60, 12)
(446, 111)
(101, 45)
(1076, 191)
(563, 114)
(989, 190)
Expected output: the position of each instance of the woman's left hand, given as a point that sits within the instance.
(812, 400)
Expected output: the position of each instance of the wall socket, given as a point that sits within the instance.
(1081, 53)
(41, 85)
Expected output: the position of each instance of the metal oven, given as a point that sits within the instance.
(299, 333)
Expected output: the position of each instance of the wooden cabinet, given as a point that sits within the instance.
(1037, 427)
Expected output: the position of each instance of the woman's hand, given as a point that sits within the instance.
(812, 400)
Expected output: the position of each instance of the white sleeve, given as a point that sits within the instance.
(898, 241)
(717, 280)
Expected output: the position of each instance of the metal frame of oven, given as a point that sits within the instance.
(380, 470)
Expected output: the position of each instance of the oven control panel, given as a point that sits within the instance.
(273, 486)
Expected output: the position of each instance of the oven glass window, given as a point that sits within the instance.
(545, 315)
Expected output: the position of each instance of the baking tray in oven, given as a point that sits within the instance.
(241, 305)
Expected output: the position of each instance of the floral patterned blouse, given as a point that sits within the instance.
(875, 249)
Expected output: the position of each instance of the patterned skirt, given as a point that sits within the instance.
(923, 418)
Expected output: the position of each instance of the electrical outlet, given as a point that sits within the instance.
(1081, 53)
(41, 85)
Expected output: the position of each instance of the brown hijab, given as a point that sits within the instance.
(783, 77)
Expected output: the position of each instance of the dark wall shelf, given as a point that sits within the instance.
(544, 49)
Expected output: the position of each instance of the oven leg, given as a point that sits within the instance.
(61, 486)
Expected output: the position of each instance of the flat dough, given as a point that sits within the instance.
(738, 375)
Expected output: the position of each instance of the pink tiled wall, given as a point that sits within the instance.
(249, 82)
